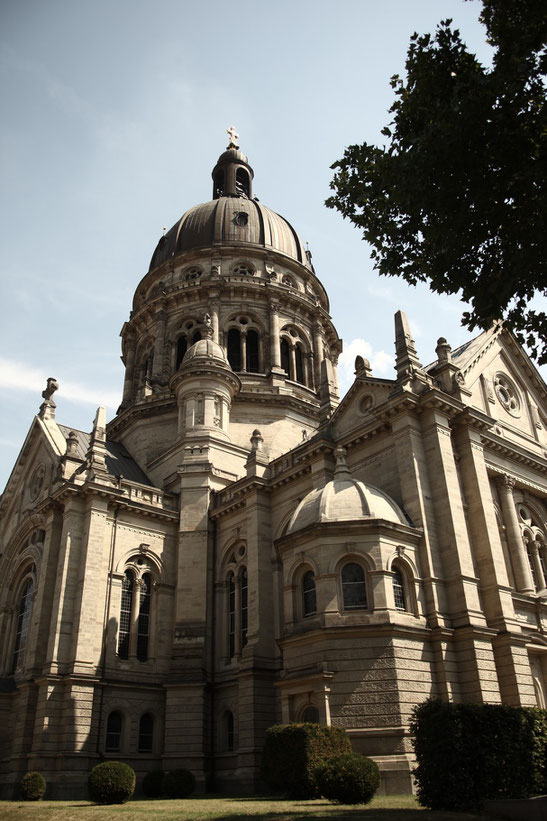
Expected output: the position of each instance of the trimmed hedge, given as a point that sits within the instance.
(469, 753)
(32, 787)
(111, 782)
(178, 783)
(293, 751)
(348, 779)
(152, 783)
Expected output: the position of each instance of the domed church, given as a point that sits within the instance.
(239, 548)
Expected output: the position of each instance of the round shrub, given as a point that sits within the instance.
(348, 779)
(152, 783)
(32, 787)
(178, 783)
(111, 782)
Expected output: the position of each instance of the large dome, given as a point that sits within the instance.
(230, 220)
(232, 217)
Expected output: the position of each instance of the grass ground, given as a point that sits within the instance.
(204, 808)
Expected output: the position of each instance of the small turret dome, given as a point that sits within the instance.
(204, 349)
(344, 499)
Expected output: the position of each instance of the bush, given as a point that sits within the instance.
(32, 787)
(348, 779)
(469, 753)
(152, 784)
(111, 782)
(293, 751)
(178, 783)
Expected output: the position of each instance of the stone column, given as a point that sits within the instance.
(129, 371)
(213, 311)
(533, 547)
(275, 354)
(243, 349)
(292, 356)
(519, 559)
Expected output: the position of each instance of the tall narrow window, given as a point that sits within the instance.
(232, 614)
(182, 347)
(311, 715)
(353, 587)
(243, 606)
(252, 351)
(285, 357)
(299, 362)
(532, 568)
(23, 621)
(114, 732)
(196, 337)
(146, 733)
(234, 349)
(143, 630)
(398, 589)
(125, 615)
(308, 594)
(242, 182)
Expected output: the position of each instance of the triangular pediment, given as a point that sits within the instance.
(360, 404)
(500, 380)
(32, 476)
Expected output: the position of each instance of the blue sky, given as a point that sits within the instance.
(114, 114)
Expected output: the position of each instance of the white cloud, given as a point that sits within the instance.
(17, 376)
(380, 362)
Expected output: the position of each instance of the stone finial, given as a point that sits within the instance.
(72, 444)
(341, 470)
(207, 323)
(443, 350)
(47, 408)
(257, 440)
(406, 356)
(362, 366)
(233, 135)
(95, 458)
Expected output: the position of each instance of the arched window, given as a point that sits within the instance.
(143, 627)
(398, 588)
(354, 589)
(23, 622)
(125, 615)
(253, 360)
(182, 347)
(309, 601)
(243, 605)
(292, 348)
(146, 733)
(310, 715)
(114, 726)
(234, 349)
(242, 182)
(299, 363)
(218, 185)
(229, 729)
(232, 614)
(135, 611)
(285, 357)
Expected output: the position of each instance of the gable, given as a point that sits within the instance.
(360, 404)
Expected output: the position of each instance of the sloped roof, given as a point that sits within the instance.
(117, 459)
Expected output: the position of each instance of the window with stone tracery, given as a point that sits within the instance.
(293, 354)
(244, 345)
(535, 542)
(23, 621)
(190, 334)
(135, 611)
(237, 602)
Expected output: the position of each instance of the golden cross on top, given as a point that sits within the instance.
(232, 133)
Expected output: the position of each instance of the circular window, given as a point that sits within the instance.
(243, 270)
(241, 218)
(366, 403)
(192, 273)
(37, 481)
(507, 394)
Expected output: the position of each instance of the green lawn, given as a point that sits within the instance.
(204, 808)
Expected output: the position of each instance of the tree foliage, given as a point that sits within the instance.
(457, 196)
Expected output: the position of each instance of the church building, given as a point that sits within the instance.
(239, 548)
